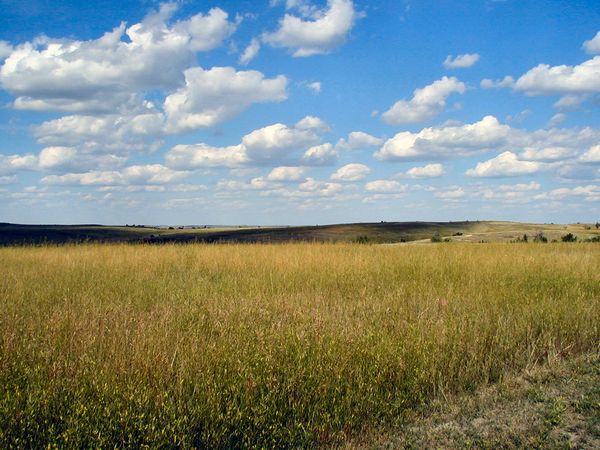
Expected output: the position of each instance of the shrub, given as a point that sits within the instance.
(436, 237)
(570, 237)
(539, 237)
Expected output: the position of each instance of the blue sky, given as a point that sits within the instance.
(299, 111)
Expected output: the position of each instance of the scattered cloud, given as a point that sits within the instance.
(461, 61)
(250, 52)
(385, 187)
(358, 140)
(273, 144)
(556, 120)
(451, 141)
(142, 174)
(451, 194)
(285, 173)
(593, 45)
(103, 74)
(506, 164)
(505, 82)
(592, 155)
(428, 171)
(220, 93)
(5, 49)
(351, 172)
(426, 103)
(315, 86)
(11, 164)
(320, 34)
(320, 155)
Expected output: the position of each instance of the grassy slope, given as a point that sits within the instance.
(555, 406)
(388, 232)
(272, 346)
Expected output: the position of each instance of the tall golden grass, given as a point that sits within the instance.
(292, 345)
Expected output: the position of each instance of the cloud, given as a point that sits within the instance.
(250, 52)
(327, 30)
(277, 141)
(426, 103)
(202, 155)
(461, 61)
(285, 173)
(320, 155)
(547, 153)
(593, 45)
(451, 194)
(591, 156)
(103, 74)
(10, 164)
(428, 171)
(464, 140)
(385, 186)
(313, 123)
(7, 179)
(212, 96)
(556, 120)
(273, 144)
(358, 140)
(112, 132)
(320, 188)
(315, 86)
(5, 49)
(351, 172)
(505, 82)
(575, 171)
(137, 175)
(506, 164)
(590, 192)
(521, 187)
(573, 83)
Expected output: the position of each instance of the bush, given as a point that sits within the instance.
(539, 237)
(570, 237)
(436, 237)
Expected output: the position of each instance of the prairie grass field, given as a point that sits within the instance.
(272, 346)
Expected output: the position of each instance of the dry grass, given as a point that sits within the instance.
(295, 345)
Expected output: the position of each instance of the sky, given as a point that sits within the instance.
(275, 112)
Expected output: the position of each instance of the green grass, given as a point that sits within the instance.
(295, 345)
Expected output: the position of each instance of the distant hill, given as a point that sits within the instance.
(380, 232)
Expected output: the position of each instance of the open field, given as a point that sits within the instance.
(289, 345)
(380, 232)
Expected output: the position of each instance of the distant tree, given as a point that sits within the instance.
(525, 238)
(569, 237)
(597, 225)
(436, 237)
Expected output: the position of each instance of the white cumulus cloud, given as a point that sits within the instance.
(351, 172)
(102, 74)
(506, 164)
(461, 61)
(593, 45)
(220, 93)
(450, 141)
(250, 52)
(322, 33)
(427, 102)
(385, 186)
(271, 145)
(358, 140)
(428, 171)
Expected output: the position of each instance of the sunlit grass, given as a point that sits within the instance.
(271, 345)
